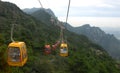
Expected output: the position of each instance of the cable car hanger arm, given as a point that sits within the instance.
(12, 29)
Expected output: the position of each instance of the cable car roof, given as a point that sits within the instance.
(63, 45)
(16, 44)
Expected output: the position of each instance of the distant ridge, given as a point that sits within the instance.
(108, 41)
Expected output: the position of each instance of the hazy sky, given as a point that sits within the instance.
(101, 13)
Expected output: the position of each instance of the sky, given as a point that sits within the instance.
(99, 13)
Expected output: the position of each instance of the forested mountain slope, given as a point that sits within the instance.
(84, 56)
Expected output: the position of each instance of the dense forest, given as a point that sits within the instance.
(84, 56)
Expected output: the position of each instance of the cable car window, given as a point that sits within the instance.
(64, 50)
(47, 49)
(24, 52)
(14, 54)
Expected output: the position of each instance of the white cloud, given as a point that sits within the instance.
(94, 21)
(25, 3)
(80, 10)
(86, 3)
(105, 5)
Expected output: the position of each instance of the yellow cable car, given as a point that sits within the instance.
(17, 54)
(63, 50)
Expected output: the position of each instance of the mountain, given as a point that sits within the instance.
(32, 10)
(108, 41)
(84, 56)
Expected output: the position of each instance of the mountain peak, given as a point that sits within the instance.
(34, 10)
(30, 10)
(86, 25)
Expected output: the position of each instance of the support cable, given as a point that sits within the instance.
(67, 17)
(40, 3)
(68, 11)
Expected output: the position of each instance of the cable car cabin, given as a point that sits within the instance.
(47, 49)
(54, 47)
(63, 50)
(16, 54)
